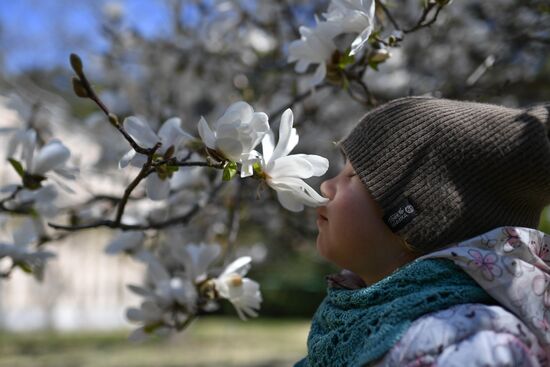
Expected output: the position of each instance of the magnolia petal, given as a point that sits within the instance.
(206, 134)
(140, 291)
(259, 123)
(29, 143)
(298, 165)
(361, 41)
(138, 160)
(239, 266)
(125, 241)
(25, 234)
(320, 164)
(15, 141)
(50, 156)
(289, 201)
(140, 131)
(305, 193)
(123, 162)
(319, 75)
(288, 138)
(171, 134)
(67, 172)
(268, 144)
(157, 271)
(231, 148)
(301, 66)
(156, 188)
(238, 111)
(247, 167)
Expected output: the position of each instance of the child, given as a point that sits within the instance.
(434, 218)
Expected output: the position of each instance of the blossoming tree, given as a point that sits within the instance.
(186, 165)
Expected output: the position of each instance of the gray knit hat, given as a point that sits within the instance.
(444, 171)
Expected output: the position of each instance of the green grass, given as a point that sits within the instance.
(208, 342)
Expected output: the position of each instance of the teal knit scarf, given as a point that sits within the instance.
(356, 327)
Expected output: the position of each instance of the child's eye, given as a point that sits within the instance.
(352, 174)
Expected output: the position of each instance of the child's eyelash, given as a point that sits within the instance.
(352, 174)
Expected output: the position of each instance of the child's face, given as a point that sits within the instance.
(352, 233)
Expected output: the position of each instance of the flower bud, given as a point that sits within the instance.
(76, 64)
(79, 89)
(113, 119)
(379, 55)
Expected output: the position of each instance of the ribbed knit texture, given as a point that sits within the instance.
(356, 327)
(466, 167)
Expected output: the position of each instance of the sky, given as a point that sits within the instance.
(42, 33)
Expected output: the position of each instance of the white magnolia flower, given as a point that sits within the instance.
(51, 157)
(168, 290)
(22, 254)
(197, 259)
(242, 292)
(352, 16)
(154, 319)
(169, 135)
(285, 173)
(236, 134)
(315, 46)
(42, 200)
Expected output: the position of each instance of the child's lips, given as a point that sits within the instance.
(321, 214)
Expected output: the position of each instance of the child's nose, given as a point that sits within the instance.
(327, 188)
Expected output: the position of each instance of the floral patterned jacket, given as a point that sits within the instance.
(513, 265)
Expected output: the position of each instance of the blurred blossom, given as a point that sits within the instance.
(352, 16)
(242, 292)
(196, 259)
(153, 318)
(113, 10)
(130, 242)
(236, 134)
(51, 157)
(314, 47)
(285, 173)
(21, 254)
(170, 135)
(260, 40)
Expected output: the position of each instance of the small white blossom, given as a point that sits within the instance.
(242, 292)
(285, 173)
(197, 259)
(154, 319)
(169, 135)
(21, 254)
(51, 157)
(315, 46)
(352, 16)
(236, 134)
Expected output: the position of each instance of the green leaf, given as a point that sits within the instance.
(229, 171)
(257, 167)
(25, 267)
(17, 166)
(345, 60)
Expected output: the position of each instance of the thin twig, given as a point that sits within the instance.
(389, 15)
(144, 172)
(420, 23)
(296, 99)
(181, 219)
